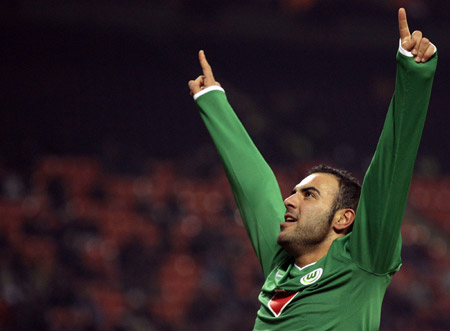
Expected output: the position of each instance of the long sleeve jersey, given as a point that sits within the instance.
(343, 290)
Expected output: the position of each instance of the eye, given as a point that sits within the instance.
(309, 194)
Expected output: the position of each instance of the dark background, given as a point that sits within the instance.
(99, 135)
(77, 77)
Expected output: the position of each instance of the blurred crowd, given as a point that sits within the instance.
(86, 249)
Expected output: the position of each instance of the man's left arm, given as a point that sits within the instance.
(375, 242)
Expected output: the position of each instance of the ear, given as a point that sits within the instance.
(343, 219)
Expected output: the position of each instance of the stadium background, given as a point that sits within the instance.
(115, 213)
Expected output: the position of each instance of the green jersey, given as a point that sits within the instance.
(343, 290)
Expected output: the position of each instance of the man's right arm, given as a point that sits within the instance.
(252, 181)
(376, 241)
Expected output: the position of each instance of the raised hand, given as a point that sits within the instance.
(415, 43)
(205, 80)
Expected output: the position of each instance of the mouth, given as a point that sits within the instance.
(290, 218)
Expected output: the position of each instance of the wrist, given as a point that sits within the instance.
(208, 89)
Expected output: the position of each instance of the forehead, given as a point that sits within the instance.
(324, 182)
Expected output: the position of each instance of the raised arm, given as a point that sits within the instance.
(252, 181)
(375, 242)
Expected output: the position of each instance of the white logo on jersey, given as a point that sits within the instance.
(312, 277)
(278, 275)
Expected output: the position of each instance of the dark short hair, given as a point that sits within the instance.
(349, 187)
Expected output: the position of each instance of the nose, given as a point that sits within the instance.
(291, 201)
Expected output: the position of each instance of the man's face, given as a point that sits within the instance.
(308, 213)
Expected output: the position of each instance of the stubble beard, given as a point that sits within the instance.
(305, 238)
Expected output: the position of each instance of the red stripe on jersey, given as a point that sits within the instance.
(280, 300)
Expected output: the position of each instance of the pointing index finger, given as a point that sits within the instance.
(206, 68)
(403, 28)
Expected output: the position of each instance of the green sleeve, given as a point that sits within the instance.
(375, 242)
(253, 183)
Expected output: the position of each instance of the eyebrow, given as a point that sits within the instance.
(309, 188)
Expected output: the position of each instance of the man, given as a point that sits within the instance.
(328, 263)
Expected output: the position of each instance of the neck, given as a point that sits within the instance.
(310, 255)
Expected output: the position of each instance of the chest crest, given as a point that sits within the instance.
(281, 299)
(311, 277)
